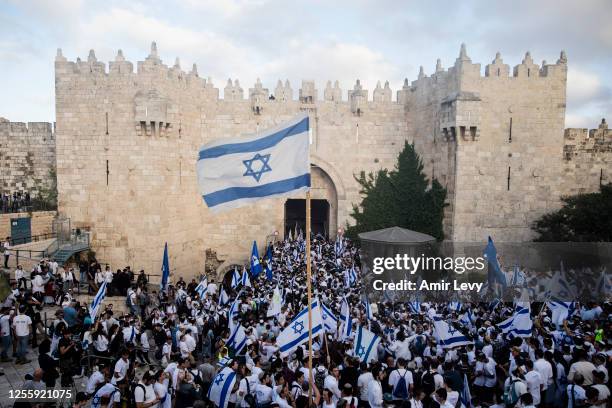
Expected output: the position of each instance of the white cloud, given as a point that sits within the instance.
(583, 86)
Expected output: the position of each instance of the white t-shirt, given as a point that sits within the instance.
(161, 389)
(144, 393)
(362, 382)
(96, 378)
(395, 376)
(121, 367)
(5, 325)
(22, 323)
(106, 390)
(38, 284)
(534, 381)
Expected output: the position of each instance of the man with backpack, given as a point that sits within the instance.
(401, 382)
(514, 387)
(143, 392)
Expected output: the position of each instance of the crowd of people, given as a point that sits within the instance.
(15, 202)
(169, 348)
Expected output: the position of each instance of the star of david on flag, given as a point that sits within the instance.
(233, 172)
(366, 344)
(263, 167)
(296, 332)
(221, 387)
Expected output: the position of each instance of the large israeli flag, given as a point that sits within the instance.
(449, 336)
(97, 302)
(202, 287)
(221, 387)
(518, 325)
(237, 339)
(233, 172)
(366, 344)
(296, 333)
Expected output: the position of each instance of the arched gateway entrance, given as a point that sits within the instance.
(323, 206)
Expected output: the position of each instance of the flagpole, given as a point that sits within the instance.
(309, 290)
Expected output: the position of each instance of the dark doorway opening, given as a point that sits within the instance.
(295, 215)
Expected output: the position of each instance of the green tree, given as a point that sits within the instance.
(401, 197)
(583, 218)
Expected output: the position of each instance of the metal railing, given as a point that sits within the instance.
(32, 238)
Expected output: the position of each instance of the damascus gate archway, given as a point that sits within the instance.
(324, 206)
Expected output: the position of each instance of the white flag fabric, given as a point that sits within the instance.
(296, 333)
(223, 297)
(347, 320)
(449, 336)
(560, 311)
(237, 339)
(366, 344)
(518, 325)
(221, 387)
(236, 278)
(330, 322)
(275, 305)
(202, 287)
(97, 302)
(233, 172)
(246, 282)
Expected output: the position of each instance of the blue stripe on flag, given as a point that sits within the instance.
(224, 390)
(367, 355)
(236, 193)
(255, 145)
(290, 345)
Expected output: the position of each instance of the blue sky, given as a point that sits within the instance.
(295, 40)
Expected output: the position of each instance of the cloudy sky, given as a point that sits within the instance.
(310, 39)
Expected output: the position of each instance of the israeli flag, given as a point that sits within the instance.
(221, 387)
(495, 272)
(165, 270)
(347, 321)
(237, 339)
(448, 335)
(296, 332)
(467, 319)
(97, 302)
(233, 172)
(235, 278)
(202, 287)
(255, 264)
(455, 306)
(368, 309)
(330, 322)
(559, 288)
(366, 344)
(560, 311)
(466, 395)
(223, 297)
(518, 325)
(224, 361)
(352, 276)
(246, 282)
(233, 311)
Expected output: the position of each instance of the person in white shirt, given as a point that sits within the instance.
(602, 398)
(398, 374)
(5, 333)
(263, 390)
(441, 396)
(20, 277)
(534, 382)
(161, 389)
(23, 327)
(95, 379)
(4, 248)
(544, 368)
(375, 393)
(576, 394)
(106, 396)
(362, 382)
(331, 383)
(144, 394)
(121, 368)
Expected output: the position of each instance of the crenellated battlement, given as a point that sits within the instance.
(589, 141)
